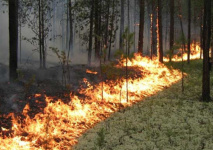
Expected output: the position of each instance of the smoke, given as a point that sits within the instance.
(4, 38)
(3, 73)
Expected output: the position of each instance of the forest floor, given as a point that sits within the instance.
(166, 121)
(15, 95)
(31, 80)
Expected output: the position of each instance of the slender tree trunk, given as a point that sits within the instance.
(189, 31)
(112, 28)
(71, 38)
(13, 39)
(135, 6)
(67, 25)
(128, 20)
(91, 32)
(171, 40)
(19, 24)
(97, 37)
(40, 39)
(160, 35)
(201, 34)
(166, 29)
(43, 36)
(154, 29)
(206, 47)
(183, 41)
(121, 25)
(106, 30)
(141, 27)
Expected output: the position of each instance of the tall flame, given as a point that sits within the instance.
(60, 124)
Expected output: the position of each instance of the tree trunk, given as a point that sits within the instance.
(141, 27)
(40, 39)
(91, 32)
(160, 36)
(154, 30)
(106, 30)
(121, 25)
(112, 28)
(201, 34)
(97, 29)
(135, 6)
(206, 47)
(171, 40)
(13, 39)
(71, 39)
(128, 20)
(19, 23)
(42, 35)
(189, 31)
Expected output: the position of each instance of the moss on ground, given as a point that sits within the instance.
(169, 120)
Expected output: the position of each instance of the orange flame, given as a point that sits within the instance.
(60, 124)
(91, 72)
(195, 54)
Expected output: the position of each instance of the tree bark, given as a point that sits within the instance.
(112, 28)
(40, 39)
(189, 31)
(154, 30)
(91, 32)
(97, 28)
(71, 39)
(141, 27)
(43, 35)
(160, 35)
(201, 34)
(171, 40)
(121, 25)
(13, 39)
(206, 47)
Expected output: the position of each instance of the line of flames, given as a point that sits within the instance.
(60, 124)
(195, 54)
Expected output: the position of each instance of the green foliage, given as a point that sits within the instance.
(101, 137)
(82, 10)
(64, 62)
(128, 41)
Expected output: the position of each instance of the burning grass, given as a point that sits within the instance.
(59, 125)
(195, 54)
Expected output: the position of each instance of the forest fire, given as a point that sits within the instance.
(91, 72)
(195, 54)
(59, 125)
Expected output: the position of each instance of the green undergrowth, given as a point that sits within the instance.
(169, 120)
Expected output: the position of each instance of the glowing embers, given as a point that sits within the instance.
(91, 72)
(59, 125)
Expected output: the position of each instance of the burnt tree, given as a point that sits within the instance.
(13, 39)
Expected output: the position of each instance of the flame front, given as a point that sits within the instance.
(195, 54)
(60, 124)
